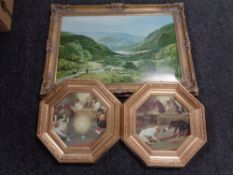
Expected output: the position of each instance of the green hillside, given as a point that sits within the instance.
(76, 50)
(157, 39)
(98, 51)
(168, 56)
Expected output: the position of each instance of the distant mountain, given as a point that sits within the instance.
(115, 41)
(96, 36)
(118, 41)
(158, 39)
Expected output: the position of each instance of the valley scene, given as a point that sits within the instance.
(118, 49)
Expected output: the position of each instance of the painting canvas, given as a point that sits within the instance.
(118, 49)
(80, 119)
(162, 123)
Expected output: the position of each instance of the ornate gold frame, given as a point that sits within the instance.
(176, 10)
(164, 158)
(56, 146)
(6, 13)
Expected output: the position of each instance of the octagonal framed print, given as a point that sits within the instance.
(163, 124)
(79, 121)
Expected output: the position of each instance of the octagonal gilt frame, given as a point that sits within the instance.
(164, 158)
(68, 154)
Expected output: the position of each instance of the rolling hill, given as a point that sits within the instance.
(98, 51)
(157, 39)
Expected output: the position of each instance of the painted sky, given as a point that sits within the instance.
(134, 25)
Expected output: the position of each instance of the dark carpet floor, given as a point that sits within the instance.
(22, 56)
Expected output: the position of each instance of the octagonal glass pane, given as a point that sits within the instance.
(80, 119)
(162, 123)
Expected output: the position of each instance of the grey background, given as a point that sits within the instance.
(22, 56)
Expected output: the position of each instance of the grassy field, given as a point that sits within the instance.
(112, 77)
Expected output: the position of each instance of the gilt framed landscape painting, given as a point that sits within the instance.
(121, 45)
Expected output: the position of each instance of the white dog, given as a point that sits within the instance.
(148, 134)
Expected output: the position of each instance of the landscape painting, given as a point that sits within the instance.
(118, 49)
(162, 123)
(80, 119)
